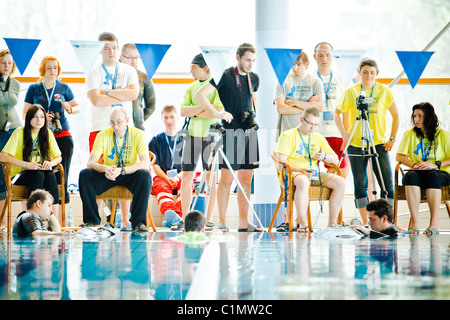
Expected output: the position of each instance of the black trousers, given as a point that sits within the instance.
(65, 144)
(92, 183)
(36, 179)
(427, 179)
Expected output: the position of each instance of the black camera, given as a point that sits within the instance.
(363, 103)
(216, 127)
(247, 118)
(56, 123)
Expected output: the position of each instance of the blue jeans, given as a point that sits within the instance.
(359, 171)
(4, 137)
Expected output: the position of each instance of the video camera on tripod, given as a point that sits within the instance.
(363, 103)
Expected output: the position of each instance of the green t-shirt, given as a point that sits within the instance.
(199, 127)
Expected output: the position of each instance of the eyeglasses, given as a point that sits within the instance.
(117, 123)
(132, 58)
(315, 125)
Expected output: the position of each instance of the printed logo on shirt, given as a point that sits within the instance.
(113, 155)
(431, 153)
(373, 107)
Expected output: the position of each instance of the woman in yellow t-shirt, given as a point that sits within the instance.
(382, 102)
(33, 152)
(425, 148)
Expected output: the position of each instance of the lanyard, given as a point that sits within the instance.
(328, 86)
(371, 93)
(49, 98)
(306, 147)
(172, 150)
(9, 99)
(120, 153)
(34, 143)
(428, 149)
(109, 78)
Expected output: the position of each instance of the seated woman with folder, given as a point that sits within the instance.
(425, 148)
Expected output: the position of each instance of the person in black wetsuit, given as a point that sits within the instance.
(380, 220)
(39, 210)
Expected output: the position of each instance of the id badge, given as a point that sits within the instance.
(328, 116)
(7, 126)
(315, 176)
(172, 173)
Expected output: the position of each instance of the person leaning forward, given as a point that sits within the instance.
(302, 148)
(126, 163)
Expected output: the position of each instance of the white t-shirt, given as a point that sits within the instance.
(327, 125)
(98, 79)
(297, 89)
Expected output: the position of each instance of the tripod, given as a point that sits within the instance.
(367, 144)
(213, 165)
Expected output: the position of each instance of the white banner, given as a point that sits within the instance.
(217, 59)
(347, 62)
(87, 53)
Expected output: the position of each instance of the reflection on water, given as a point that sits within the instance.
(252, 266)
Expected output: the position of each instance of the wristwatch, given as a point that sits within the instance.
(107, 91)
(438, 163)
(392, 138)
(122, 172)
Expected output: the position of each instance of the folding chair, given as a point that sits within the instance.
(122, 193)
(315, 194)
(400, 193)
(21, 193)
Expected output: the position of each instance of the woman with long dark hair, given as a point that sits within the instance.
(59, 102)
(425, 148)
(33, 152)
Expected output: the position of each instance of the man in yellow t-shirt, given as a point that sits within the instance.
(302, 148)
(383, 101)
(125, 163)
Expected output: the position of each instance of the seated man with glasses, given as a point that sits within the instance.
(303, 148)
(125, 163)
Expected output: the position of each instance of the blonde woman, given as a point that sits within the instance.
(9, 118)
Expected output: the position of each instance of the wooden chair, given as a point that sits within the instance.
(400, 193)
(122, 193)
(315, 194)
(21, 193)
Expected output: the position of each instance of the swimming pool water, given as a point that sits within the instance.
(243, 266)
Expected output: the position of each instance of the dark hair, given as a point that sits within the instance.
(107, 36)
(382, 208)
(430, 120)
(36, 195)
(43, 138)
(199, 60)
(243, 48)
(194, 221)
(315, 48)
(368, 62)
